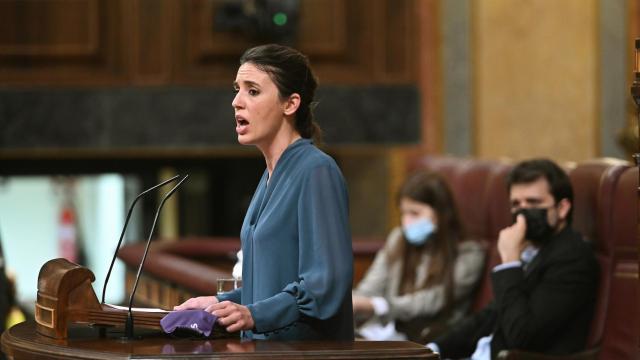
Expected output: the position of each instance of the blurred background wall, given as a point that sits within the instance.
(118, 94)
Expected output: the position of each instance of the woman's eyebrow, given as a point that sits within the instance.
(246, 82)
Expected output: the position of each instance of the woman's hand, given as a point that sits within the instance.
(234, 317)
(362, 305)
(201, 302)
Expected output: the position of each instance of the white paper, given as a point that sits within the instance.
(138, 309)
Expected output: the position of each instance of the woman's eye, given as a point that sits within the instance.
(253, 92)
(236, 90)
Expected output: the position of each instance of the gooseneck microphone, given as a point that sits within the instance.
(129, 323)
(124, 229)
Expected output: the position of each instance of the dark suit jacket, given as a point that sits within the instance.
(547, 308)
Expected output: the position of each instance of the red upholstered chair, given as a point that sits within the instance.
(589, 180)
(446, 166)
(498, 217)
(469, 181)
(622, 218)
(498, 201)
(621, 326)
(470, 188)
(592, 193)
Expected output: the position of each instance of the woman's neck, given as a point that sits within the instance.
(273, 151)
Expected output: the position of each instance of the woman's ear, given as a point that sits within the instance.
(292, 104)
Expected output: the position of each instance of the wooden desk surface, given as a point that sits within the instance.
(84, 342)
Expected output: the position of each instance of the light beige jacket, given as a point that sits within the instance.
(383, 280)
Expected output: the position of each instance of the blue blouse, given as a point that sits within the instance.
(297, 257)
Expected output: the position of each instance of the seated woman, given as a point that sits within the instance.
(421, 281)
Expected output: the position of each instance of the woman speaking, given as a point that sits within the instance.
(296, 243)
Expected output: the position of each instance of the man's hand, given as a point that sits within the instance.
(201, 302)
(511, 240)
(234, 317)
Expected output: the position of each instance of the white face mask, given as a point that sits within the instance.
(419, 231)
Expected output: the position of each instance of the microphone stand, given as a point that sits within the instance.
(124, 229)
(129, 323)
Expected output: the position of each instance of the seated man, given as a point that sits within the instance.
(545, 287)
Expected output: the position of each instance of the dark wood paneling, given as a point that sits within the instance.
(151, 41)
(348, 42)
(164, 42)
(323, 36)
(202, 55)
(396, 26)
(62, 42)
(429, 57)
(49, 29)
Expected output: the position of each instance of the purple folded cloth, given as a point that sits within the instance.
(195, 320)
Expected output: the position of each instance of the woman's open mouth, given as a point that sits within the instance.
(242, 125)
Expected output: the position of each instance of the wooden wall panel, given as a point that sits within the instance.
(151, 41)
(373, 41)
(323, 36)
(535, 79)
(395, 29)
(430, 70)
(49, 34)
(62, 42)
(348, 41)
(165, 42)
(202, 55)
(354, 62)
(205, 42)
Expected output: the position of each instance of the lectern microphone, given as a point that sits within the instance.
(124, 229)
(128, 328)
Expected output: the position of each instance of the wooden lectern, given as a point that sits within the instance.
(65, 296)
(21, 342)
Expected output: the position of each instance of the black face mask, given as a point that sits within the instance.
(538, 229)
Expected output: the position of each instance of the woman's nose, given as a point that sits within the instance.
(237, 100)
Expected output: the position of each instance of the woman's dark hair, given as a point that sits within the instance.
(431, 189)
(290, 71)
(530, 171)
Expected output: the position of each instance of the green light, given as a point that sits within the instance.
(280, 18)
